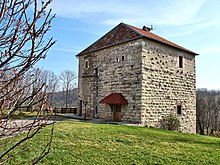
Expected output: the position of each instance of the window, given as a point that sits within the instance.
(95, 112)
(86, 64)
(97, 92)
(117, 59)
(179, 109)
(180, 61)
(96, 71)
(122, 58)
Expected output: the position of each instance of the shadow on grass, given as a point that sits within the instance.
(208, 142)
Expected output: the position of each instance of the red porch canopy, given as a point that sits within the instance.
(114, 98)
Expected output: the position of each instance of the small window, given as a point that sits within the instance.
(97, 91)
(117, 59)
(122, 58)
(95, 112)
(96, 71)
(180, 61)
(179, 109)
(86, 64)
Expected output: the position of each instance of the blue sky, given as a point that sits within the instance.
(193, 24)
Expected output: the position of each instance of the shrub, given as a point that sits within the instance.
(170, 122)
(216, 134)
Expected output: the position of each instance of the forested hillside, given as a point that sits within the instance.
(58, 99)
(208, 111)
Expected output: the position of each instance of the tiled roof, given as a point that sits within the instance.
(124, 33)
(119, 34)
(155, 37)
(114, 98)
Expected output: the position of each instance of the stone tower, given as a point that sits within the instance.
(131, 74)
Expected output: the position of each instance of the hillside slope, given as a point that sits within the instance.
(57, 99)
(89, 143)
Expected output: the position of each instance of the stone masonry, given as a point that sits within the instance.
(156, 78)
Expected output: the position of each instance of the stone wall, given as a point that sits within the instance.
(119, 70)
(165, 85)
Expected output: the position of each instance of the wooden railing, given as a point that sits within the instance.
(65, 110)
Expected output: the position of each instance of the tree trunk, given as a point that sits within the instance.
(207, 130)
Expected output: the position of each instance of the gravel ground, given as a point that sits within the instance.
(10, 128)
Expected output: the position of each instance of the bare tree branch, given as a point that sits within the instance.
(24, 25)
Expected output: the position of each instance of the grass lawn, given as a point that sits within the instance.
(88, 143)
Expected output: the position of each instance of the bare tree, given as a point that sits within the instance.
(200, 111)
(210, 102)
(23, 27)
(207, 111)
(52, 86)
(68, 78)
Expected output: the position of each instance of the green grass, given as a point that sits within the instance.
(87, 143)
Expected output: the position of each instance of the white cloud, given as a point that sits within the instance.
(180, 12)
(88, 8)
(185, 16)
(166, 13)
(194, 27)
(112, 12)
(210, 49)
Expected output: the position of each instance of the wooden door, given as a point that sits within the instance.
(116, 112)
(117, 116)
